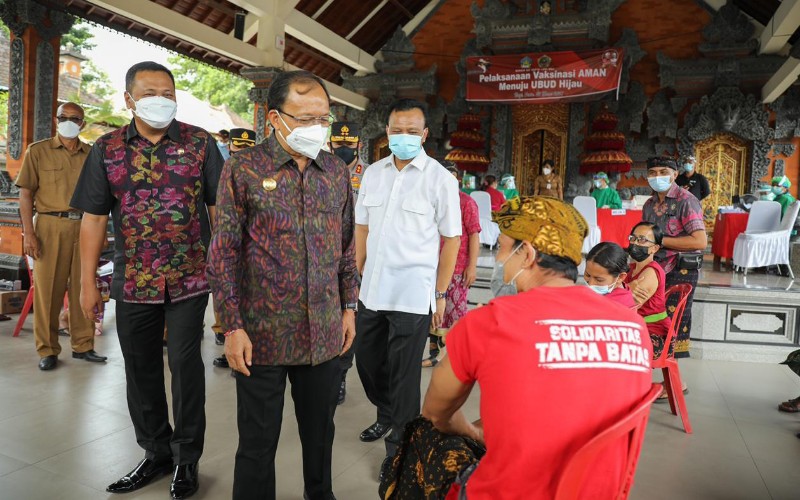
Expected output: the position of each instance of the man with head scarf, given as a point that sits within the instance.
(605, 196)
(533, 354)
(680, 215)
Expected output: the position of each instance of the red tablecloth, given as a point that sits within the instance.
(726, 229)
(616, 228)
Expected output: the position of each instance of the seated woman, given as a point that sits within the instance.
(605, 273)
(646, 280)
(490, 186)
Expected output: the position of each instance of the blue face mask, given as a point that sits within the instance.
(498, 284)
(405, 146)
(777, 190)
(603, 289)
(688, 167)
(598, 184)
(660, 184)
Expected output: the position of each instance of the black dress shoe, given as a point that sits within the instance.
(184, 481)
(48, 363)
(142, 475)
(306, 497)
(221, 362)
(89, 356)
(219, 338)
(374, 432)
(342, 392)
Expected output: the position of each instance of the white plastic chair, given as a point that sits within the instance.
(587, 206)
(764, 216)
(489, 230)
(765, 248)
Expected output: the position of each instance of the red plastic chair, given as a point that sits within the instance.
(632, 428)
(26, 307)
(667, 362)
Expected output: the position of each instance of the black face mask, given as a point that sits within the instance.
(638, 252)
(346, 154)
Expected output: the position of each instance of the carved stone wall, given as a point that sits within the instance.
(16, 80)
(577, 121)
(502, 137)
(787, 113)
(729, 110)
(43, 103)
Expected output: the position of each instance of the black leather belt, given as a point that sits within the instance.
(65, 215)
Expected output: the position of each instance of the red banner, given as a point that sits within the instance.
(544, 77)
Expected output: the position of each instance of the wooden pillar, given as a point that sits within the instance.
(262, 79)
(32, 102)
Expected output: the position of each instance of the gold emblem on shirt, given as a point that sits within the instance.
(269, 184)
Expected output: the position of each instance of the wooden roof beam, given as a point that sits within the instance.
(312, 33)
(781, 27)
(781, 80)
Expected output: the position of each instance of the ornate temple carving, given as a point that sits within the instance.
(662, 121)
(502, 27)
(783, 148)
(779, 168)
(787, 113)
(729, 110)
(729, 33)
(633, 54)
(631, 109)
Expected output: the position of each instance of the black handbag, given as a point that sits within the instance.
(690, 261)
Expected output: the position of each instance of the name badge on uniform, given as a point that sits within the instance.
(548, 185)
(269, 184)
(358, 169)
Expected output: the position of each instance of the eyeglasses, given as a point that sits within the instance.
(74, 119)
(325, 121)
(639, 239)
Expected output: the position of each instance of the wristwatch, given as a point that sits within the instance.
(440, 295)
(353, 306)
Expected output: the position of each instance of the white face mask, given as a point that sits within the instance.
(68, 129)
(156, 111)
(307, 141)
(546, 171)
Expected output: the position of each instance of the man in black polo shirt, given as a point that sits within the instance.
(694, 182)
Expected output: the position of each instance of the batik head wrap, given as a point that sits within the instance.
(550, 225)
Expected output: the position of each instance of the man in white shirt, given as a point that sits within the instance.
(406, 203)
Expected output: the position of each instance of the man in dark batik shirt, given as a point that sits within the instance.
(282, 269)
(158, 178)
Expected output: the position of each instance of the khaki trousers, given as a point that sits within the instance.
(59, 261)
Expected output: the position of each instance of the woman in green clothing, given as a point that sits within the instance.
(605, 196)
(780, 188)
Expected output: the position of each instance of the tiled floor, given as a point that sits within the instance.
(66, 434)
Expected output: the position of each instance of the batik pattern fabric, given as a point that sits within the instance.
(157, 194)
(680, 214)
(676, 277)
(455, 306)
(282, 257)
(427, 463)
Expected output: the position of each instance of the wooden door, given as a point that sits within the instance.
(540, 133)
(723, 159)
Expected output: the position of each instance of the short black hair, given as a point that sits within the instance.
(224, 132)
(547, 162)
(282, 83)
(130, 76)
(658, 233)
(610, 257)
(558, 265)
(408, 105)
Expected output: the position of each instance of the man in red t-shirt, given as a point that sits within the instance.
(556, 363)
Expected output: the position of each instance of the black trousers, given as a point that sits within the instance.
(388, 358)
(260, 412)
(140, 328)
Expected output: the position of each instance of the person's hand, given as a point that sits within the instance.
(91, 301)
(470, 275)
(30, 246)
(606, 206)
(640, 295)
(239, 351)
(348, 329)
(438, 315)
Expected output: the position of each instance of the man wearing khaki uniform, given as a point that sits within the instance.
(47, 180)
